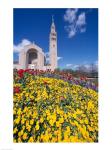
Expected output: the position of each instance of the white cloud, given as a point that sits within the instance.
(96, 63)
(81, 20)
(76, 22)
(83, 30)
(70, 15)
(69, 65)
(71, 30)
(20, 46)
(59, 58)
(76, 66)
(86, 66)
(48, 59)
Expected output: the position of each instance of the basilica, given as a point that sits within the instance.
(33, 57)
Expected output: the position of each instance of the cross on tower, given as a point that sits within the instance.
(52, 18)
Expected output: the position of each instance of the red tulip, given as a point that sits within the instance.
(20, 73)
(16, 89)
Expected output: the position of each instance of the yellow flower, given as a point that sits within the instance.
(42, 136)
(90, 105)
(15, 130)
(74, 115)
(41, 120)
(34, 115)
(19, 140)
(19, 111)
(68, 129)
(28, 128)
(57, 123)
(37, 126)
(31, 139)
(17, 120)
(14, 140)
(25, 136)
(51, 122)
(19, 134)
(61, 120)
(32, 121)
(86, 121)
(22, 121)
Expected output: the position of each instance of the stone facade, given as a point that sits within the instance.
(33, 57)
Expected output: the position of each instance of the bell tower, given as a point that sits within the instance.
(53, 46)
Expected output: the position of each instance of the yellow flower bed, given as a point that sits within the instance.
(52, 110)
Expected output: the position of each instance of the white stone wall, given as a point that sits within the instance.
(22, 59)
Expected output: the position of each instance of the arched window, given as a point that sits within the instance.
(32, 55)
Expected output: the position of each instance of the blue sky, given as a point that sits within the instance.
(77, 31)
